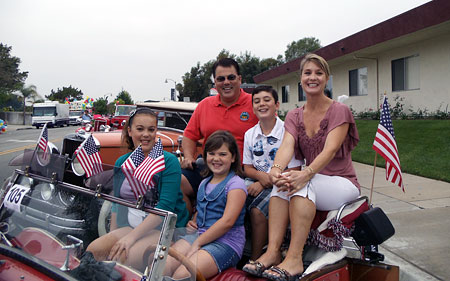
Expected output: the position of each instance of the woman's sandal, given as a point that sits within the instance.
(283, 274)
(257, 271)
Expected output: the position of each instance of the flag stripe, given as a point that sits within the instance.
(153, 164)
(89, 157)
(386, 139)
(386, 154)
(386, 146)
(43, 141)
(128, 168)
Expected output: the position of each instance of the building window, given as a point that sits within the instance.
(405, 73)
(358, 81)
(301, 94)
(285, 94)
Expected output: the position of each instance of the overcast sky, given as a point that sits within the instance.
(102, 46)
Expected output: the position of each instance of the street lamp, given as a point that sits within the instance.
(172, 97)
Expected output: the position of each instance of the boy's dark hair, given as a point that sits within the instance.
(225, 62)
(265, 88)
(126, 139)
(214, 142)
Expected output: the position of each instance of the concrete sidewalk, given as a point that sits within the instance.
(18, 127)
(421, 217)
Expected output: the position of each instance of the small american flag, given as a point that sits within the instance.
(153, 164)
(43, 141)
(128, 168)
(386, 146)
(89, 158)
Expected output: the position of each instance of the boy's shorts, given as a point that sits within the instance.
(261, 201)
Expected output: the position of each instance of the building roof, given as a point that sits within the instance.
(424, 16)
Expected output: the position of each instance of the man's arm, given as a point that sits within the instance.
(189, 148)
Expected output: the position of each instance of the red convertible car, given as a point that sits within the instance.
(50, 213)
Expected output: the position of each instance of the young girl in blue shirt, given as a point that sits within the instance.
(220, 213)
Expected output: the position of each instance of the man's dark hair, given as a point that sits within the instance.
(268, 89)
(225, 62)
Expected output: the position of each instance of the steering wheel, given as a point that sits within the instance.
(182, 259)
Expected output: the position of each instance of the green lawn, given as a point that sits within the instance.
(423, 145)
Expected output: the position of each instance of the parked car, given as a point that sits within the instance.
(75, 117)
(172, 119)
(121, 115)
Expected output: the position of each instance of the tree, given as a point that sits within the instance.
(270, 63)
(70, 93)
(125, 97)
(193, 84)
(100, 106)
(111, 108)
(198, 81)
(27, 92)
(11, 78)
(301, 47)
(249, 66)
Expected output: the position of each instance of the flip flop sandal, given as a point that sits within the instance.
(284, 275)
(257, 271)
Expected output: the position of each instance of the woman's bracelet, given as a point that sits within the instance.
(310, 170)
(278, 167)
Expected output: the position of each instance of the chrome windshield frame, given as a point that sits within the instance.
(167, 226)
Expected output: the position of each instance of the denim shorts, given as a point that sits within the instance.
(224, 256)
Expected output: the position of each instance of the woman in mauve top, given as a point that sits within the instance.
(324, 133)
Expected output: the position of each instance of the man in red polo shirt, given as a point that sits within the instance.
(230, 110)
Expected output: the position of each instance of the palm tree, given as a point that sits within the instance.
(27, 92)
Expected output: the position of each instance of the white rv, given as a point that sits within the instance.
(51, 112)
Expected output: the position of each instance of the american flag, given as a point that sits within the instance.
(89, 158)
(153, 164)
(128, 168)
(43, 141)
(386, 146)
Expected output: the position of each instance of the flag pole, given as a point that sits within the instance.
(373, 178)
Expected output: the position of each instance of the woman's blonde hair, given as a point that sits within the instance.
(321, 62)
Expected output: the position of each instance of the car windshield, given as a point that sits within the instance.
(44, 216)
(124, 110)
(44, 111)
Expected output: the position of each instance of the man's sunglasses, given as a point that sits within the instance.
(230, 77)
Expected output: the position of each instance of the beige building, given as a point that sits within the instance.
(406, 56)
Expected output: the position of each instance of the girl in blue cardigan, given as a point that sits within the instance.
(131, 232)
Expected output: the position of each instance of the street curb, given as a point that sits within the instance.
(408, 271)
(27, 128)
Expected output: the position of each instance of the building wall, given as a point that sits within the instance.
(434, 74)
(15, 118)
